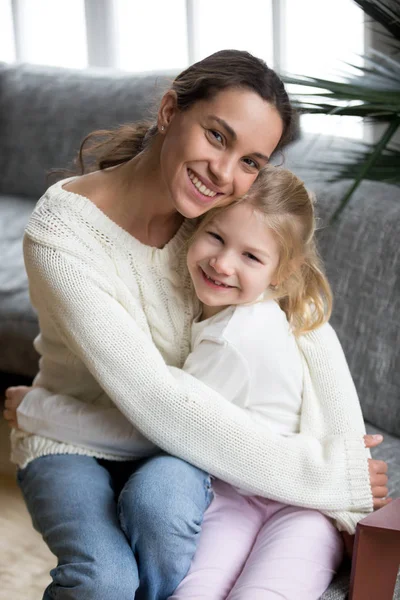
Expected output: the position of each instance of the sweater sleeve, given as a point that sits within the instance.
(338, 408)
(66, 419)
(179, 413)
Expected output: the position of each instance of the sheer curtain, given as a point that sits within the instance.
(303, 37)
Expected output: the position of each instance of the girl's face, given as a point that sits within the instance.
(212, 152)
(234, 259)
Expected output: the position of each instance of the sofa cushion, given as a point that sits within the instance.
(18, 323)
(361, 253)
(45, 112)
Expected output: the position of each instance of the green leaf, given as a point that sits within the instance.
(370, 91)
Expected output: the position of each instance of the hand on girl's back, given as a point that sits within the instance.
(377, 474)
(14, 397)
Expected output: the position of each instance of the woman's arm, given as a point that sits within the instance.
(65, 419)
(179, 413)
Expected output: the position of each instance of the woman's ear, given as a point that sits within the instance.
(167, 110)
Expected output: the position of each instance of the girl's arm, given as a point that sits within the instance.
(179, 413)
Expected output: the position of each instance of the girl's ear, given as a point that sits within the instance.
(274, 282)
(167, 110)
(295, 265)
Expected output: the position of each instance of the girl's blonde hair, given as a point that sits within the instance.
(303, 291)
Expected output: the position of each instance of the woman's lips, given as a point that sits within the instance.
(205, 199)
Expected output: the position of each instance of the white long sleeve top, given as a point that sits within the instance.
(115, 319)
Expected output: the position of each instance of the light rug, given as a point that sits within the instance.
(25, 560)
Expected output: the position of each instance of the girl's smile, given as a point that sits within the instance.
(215, 283)
(233, 258)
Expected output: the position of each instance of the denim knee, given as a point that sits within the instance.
(161, 510)
(170, 496)
(92, 581)
(73, 506)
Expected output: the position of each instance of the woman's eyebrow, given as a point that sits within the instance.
(225, 125)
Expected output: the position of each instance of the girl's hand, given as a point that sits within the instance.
(377, 474)
(14, 397)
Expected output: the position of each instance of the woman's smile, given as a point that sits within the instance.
(200, 190)
(204, 187)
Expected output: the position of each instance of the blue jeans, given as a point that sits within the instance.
(120, 530)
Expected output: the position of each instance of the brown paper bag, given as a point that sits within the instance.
(376, 555)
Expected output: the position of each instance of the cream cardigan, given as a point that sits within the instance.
(113, 313)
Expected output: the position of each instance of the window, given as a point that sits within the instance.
(309, 37)
(46, 32)
(319, 40)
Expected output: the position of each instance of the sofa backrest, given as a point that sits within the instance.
(361, 253)
(45, 112)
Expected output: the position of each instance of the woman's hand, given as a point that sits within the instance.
(14, 397)
(377, 474)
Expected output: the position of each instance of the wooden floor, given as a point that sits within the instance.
(25, 560)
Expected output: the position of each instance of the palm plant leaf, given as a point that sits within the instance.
(375, 88)
(384, 12)
(372, 92)
(385, 168)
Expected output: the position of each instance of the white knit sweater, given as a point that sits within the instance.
(113, 312)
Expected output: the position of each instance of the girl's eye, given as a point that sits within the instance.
(215, 236)
(251, 256)
(217, 136)
(251, 163)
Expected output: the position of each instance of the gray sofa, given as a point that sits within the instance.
(45, 113)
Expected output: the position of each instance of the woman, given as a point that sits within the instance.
(105, 256)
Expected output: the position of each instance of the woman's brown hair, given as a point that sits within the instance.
(201, 81)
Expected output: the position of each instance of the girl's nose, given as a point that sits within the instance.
(221, 265)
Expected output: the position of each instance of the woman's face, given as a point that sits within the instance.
(212, 153)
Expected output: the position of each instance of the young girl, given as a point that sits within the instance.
(263, 296)
(255, 269)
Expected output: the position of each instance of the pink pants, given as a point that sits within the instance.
(256, 549)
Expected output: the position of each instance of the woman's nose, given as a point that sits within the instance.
(222, 169)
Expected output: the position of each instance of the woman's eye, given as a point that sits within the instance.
(251, 163)
(217, 136)
(215, 236)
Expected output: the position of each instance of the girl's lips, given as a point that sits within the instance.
(213, 285)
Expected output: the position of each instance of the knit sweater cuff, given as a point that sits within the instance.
(358, 474)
